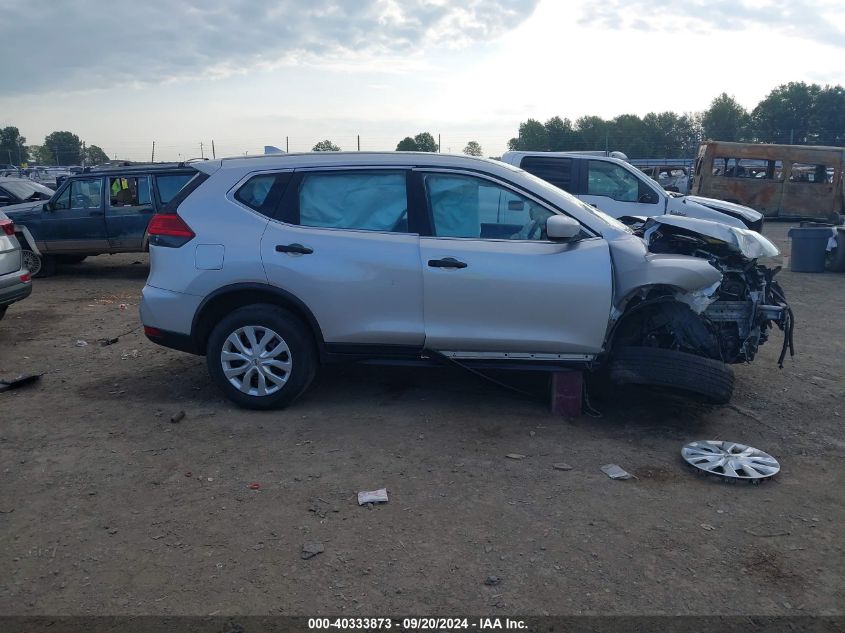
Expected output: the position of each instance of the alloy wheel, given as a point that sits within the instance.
(256, 360)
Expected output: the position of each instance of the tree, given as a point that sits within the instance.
(725, 120)
(562, 136)
(828, 116)
(473, 149)
(94, 155)
(533, 137)
(425, 142)
(407, 144)
(786, 114)
(12, 147)
(62, 148)
(592, 132)
(325, 146)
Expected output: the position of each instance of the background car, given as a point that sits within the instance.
(20, 190)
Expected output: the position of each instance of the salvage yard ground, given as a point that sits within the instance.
(106, 507)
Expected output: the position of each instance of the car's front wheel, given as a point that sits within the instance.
(38, 265)
(261, 356)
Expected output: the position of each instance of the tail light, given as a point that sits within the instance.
(8, 227)
(168, 229)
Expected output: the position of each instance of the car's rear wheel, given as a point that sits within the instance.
(261, 356)
(71, 259)
(705, 377)
(38, 265)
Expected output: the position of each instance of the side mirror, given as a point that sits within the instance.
(562, 227)
(46, 207)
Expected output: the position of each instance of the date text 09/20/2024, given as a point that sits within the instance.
(417, 624)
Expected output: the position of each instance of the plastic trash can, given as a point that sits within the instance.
(809, 249)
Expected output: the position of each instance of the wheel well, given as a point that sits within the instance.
(220, 305)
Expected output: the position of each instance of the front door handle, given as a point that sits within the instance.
(294, 248)
(446, 262)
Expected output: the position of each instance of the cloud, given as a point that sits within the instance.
(92, 44)
(804, 19)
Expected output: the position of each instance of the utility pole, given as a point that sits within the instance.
(792, 136)
(438, 143)
(201, 153)
(287, 144)
(213, 151)
(83, 154)
(359, 142)
(153, 155)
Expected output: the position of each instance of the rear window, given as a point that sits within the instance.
(556, 170)
(169, 186)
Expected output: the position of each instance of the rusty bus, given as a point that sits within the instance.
(799, 181)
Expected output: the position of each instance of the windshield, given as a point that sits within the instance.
(555, 191)
(27, 189)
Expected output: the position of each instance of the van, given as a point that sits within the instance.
(783, 181)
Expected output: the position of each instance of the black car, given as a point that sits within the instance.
(18, 190)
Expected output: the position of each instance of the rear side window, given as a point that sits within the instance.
(169, 186)
(369, 201)
(557, 171)
(263, 192)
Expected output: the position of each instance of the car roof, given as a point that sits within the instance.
(351, 159)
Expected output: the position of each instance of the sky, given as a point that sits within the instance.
(248, 73)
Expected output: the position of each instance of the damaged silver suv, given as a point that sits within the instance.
(272, 265)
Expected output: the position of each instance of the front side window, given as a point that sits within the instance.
(616, 182)
(367, 201)
(129, 191)
(469, 207)
(80, 194)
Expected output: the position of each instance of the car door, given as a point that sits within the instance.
(128, 211)
(617, 191)
(343, 246)
(73, 221)
(495, 286)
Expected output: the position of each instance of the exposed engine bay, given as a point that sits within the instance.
(728, 321)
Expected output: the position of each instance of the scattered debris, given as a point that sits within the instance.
(372, 496)
(614, 471)
(177, 417)
(532, 433)
(515, 456)
(130, 354)
(189, 474)
(105, 342)
(122, 306)
(20, 381)
(707, 526)
(254, 486)
(310, 550)
(492, 581)
(767, 535)
(81, 343)
(561, 466)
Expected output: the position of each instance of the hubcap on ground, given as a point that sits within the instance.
(256, 360)
(729, 459)
(31, 262)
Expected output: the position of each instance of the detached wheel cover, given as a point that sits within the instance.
(730, 459)
(256, 360)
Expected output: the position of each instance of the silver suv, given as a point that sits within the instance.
(15, 281)
(272, 265)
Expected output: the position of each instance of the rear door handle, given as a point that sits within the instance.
(446, 262)
(294, 248)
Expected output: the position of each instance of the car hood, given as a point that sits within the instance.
(17, 211)
(748, 214)
(745, 242)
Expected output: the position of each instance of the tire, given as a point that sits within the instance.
(3, 311)
(71, 259)
(232, 333)
(38, 265)
(836, 258)
(711, 379)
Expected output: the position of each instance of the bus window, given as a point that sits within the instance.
(818, 174)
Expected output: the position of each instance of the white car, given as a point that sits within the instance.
(619, 189)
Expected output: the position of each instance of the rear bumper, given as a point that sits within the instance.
(12, 289)
(168, 317)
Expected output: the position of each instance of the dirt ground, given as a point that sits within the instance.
(106, 507)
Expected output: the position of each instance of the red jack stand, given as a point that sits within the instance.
(566, 392)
